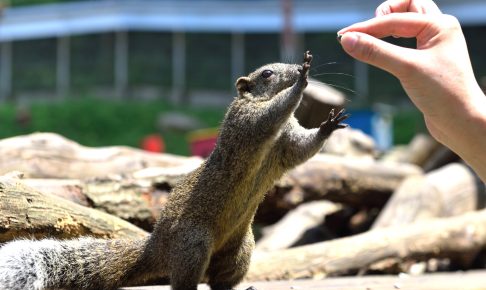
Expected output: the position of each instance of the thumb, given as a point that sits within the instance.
(374, 51)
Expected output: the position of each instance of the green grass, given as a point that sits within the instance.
(94, 122)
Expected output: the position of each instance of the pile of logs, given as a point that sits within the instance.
(414, 209)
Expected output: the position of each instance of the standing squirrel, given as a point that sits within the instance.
(204, 232)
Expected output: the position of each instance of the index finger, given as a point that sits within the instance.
(407, 25)
(400, 6)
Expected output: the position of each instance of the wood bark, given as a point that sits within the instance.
(439, 158)
(353, 181)
(48, 155)
(136, 197)
(449, 191)
(70, 189)
(317, 102)
(291, 228)
(26, 212)
(127, 199)
(417, 152)
(420, 149)
(450, 237)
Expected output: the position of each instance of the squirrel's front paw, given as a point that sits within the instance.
(333, 122)
(306, 66)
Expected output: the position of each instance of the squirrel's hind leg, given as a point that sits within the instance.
(189, 259)
(229, 267)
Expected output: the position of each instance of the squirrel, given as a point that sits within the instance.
(204, 231)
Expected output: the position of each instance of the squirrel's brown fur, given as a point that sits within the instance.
(204, 231)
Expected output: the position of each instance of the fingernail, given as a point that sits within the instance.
(349, 40)
(339, 36)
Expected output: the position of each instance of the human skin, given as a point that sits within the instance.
(437, 75)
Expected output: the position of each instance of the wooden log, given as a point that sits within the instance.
(70, 189)
(351, 143)
(317, 102)
(142, 183)
(291, 228)
(471, 280)
(417, 152)
(450, 237)
(441, 157)
(48, 155)
(26, 212)
(353, 181)
(449, 191)
(137, 197)
(124, 198)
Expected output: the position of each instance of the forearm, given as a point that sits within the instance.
(465, 132)
(469, 142)
(299, 145)
(287, 100)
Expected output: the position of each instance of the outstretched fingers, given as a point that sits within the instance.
(341, 116)
(330, 117)
(333, 122)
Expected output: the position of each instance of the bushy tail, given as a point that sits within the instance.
(85, 263)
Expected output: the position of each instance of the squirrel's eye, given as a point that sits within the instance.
(267, 73)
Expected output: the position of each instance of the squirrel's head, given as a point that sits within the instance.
(268, 80)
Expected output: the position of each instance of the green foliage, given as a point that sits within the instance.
(94, 122)
(406, 124)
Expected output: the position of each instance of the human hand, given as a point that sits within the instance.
(437, 76)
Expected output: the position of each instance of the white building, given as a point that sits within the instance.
(236, 18)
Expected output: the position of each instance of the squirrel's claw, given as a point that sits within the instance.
(306, 65)
(307, 57)
(333, 122)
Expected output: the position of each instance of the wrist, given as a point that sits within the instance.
(467, 137)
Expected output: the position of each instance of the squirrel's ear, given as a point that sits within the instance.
(243, 84)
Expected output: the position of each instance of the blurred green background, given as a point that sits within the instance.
(95, 122)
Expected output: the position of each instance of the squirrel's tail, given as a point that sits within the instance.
(85, 263)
